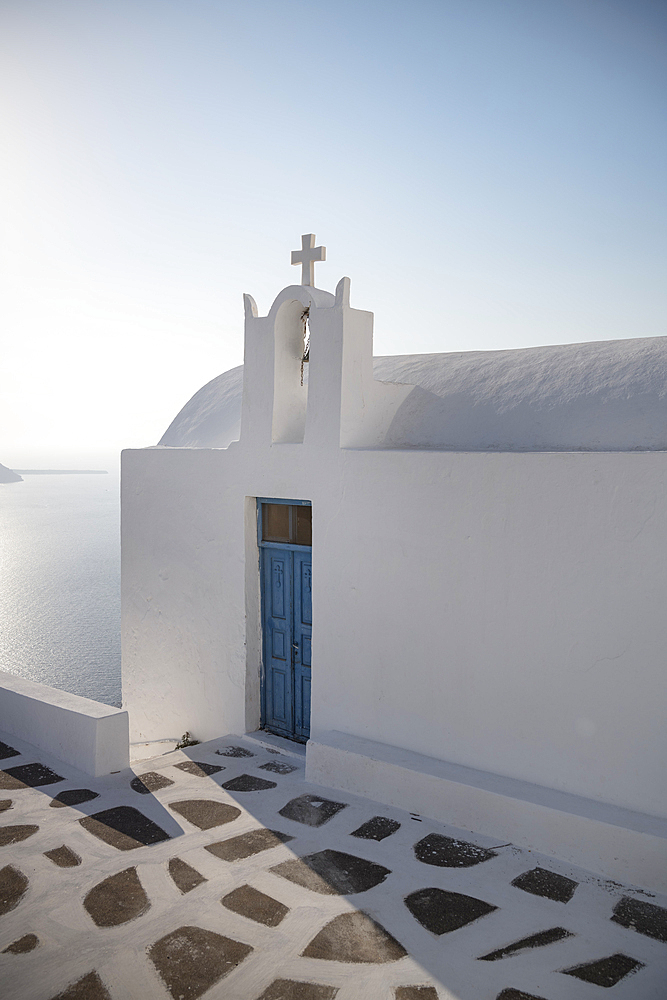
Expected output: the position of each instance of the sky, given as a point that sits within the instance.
(489, 173)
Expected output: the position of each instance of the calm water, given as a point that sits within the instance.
(60, 583)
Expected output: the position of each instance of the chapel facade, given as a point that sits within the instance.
(443, 574)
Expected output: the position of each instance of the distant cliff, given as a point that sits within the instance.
(7, 476)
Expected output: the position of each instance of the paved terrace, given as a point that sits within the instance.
(217, 871)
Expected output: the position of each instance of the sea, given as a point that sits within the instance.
(60, 582)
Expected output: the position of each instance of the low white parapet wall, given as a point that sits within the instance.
(86, 734)
(616, 843)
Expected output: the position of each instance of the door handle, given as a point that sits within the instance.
(295, 645)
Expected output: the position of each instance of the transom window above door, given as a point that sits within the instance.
(290, 523)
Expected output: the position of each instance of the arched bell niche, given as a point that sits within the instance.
(290, 383)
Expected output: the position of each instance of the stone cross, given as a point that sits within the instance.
(307, 256)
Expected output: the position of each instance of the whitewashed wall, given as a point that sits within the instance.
(503, 611)
(508, 617)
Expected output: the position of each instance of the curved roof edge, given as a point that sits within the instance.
(600, 396)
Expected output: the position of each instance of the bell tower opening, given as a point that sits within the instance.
(290, 382)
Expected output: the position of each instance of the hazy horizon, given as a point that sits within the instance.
(43, 458)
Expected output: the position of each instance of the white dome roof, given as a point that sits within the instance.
(607, 396)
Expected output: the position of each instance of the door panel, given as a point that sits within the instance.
(305, 650)
(280, 647)
(302, 707)
(279, 697)
(306, 603)
(279, 570)
(278, 694)
(303, 617)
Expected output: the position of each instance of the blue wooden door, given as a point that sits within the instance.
(287, 619)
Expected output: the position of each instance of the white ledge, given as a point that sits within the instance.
(86, 734)
(617, 843)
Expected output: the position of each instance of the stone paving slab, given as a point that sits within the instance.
(217, 871)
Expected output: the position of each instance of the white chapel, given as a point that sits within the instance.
(443, 574)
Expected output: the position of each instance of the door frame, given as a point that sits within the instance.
(262, 546)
